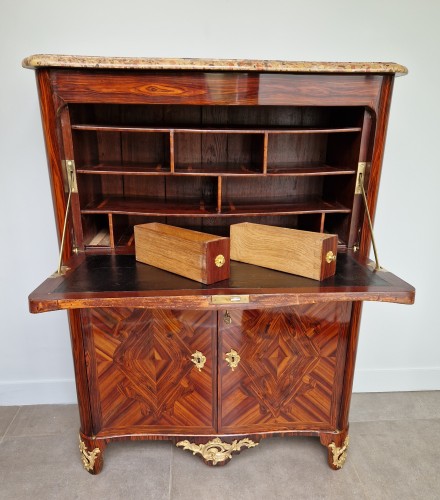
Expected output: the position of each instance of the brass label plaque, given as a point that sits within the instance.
(230, 299)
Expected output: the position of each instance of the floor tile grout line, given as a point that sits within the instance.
(33, 435)
(10, 423)
(392, 420)
(170, 485)
(363, 486)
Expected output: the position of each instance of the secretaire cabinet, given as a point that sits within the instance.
(203, 144)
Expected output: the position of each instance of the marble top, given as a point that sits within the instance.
(97, 62)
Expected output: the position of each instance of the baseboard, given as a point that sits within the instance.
(36, 392)
(33, 392)
(396, 380)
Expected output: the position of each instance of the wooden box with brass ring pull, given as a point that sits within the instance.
(199, 256)
(293, 251)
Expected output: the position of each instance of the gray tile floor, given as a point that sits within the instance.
(394, 454)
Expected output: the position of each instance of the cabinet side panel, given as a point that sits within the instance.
(49, 106)
(142, 372)
(377, 158)
(80, 367)
(91, 369)
(349, 363)
(68, 154)
(290, 372)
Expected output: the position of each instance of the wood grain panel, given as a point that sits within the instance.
(289, 376)
(376, 161)
(141, 369)
(88, 426)
(50, 106)
(303, 252)
(142, 87)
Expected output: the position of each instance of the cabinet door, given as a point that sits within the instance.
(141, 374)
(289, 376)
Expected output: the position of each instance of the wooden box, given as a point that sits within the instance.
(198, 256)
(305, 253)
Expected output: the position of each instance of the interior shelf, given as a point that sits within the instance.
(217, 130)
(119, 168)
(141, 206)
(225, 170)
(137, 206)
(300, 168)
(305, 206)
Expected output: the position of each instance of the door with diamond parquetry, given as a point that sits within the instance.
(290, 369)
(141, 373)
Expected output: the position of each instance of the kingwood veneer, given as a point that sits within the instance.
(204, 144)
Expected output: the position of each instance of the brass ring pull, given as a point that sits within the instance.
(198, 359)
(330, 257)
(219, 260)
(232, 358)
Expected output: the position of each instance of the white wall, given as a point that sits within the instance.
(400, 346)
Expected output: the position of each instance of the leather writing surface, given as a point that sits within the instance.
(121, 273)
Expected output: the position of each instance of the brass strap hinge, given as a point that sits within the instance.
(362, 167)
(370, 223)
(69, 165)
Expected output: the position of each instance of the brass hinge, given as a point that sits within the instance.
(362, 167)
(370, 223)
(69, 167)
(60, 272)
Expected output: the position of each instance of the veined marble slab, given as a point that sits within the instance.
(70, 61)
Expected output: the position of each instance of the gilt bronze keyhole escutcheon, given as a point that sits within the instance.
(198, 359)
(232, 358)
(227, 318)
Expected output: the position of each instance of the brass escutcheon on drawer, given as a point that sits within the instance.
(230, 299)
